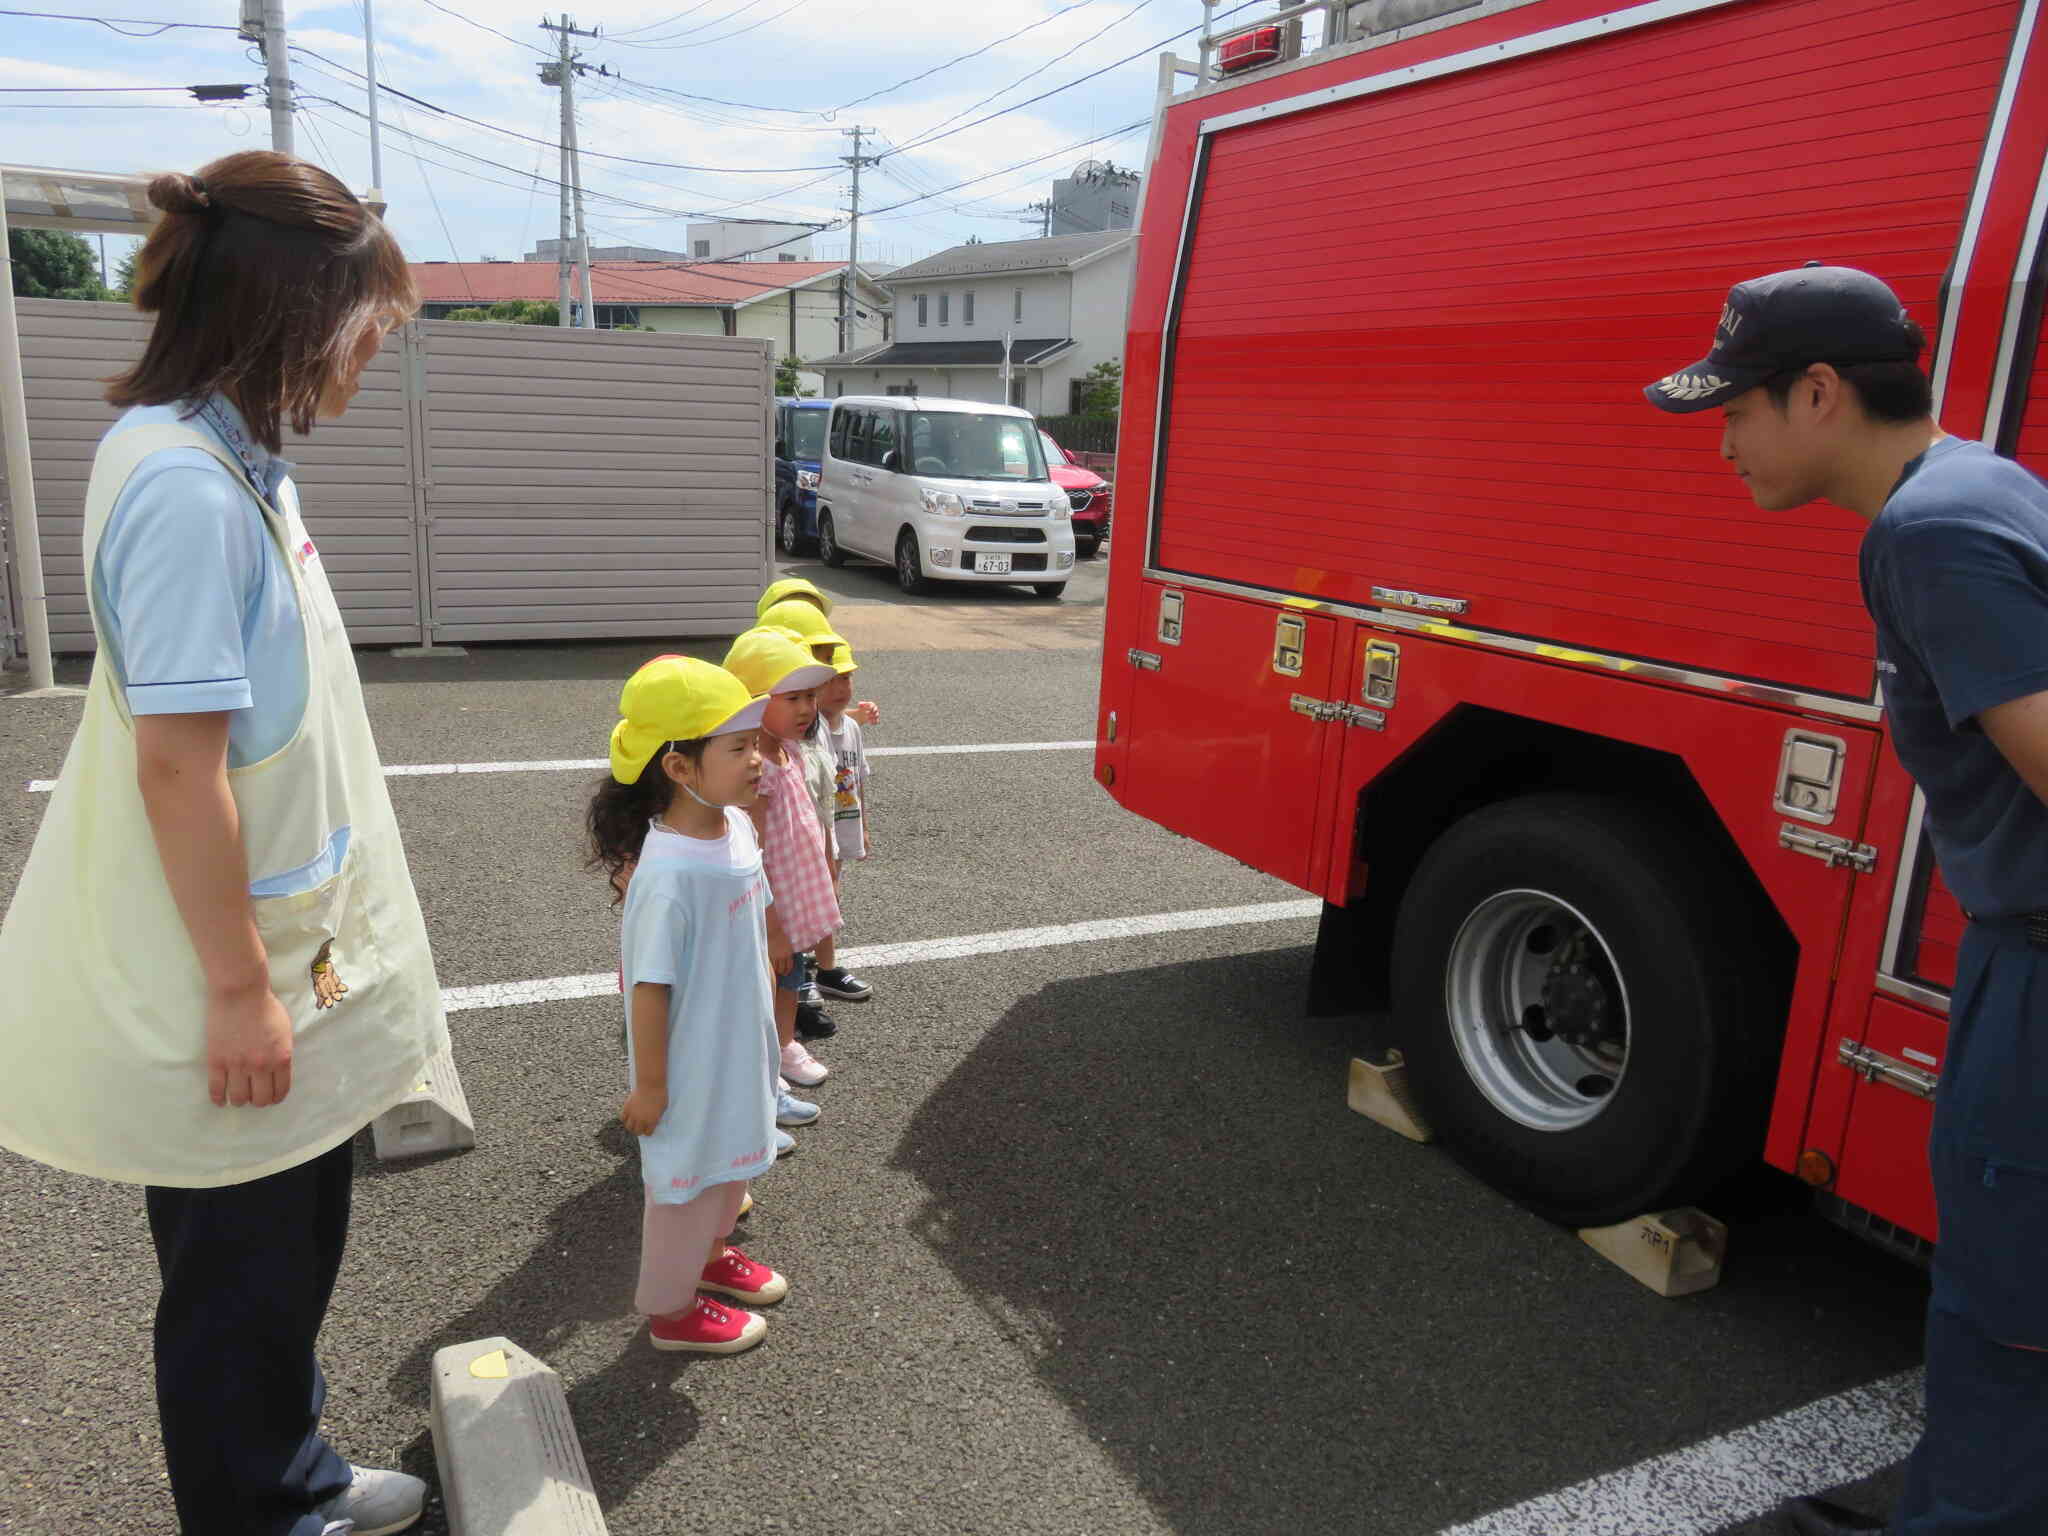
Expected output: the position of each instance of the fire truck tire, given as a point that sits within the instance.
(828, 541)
(1579, 999)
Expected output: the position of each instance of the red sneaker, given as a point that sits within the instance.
(741, 1278)
(708, 1329)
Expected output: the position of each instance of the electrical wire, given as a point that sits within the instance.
(668, 40)
(546, 53)
(82, 90)
(116, 23)
(963, 58)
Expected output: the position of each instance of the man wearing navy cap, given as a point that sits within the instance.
(1817, 373)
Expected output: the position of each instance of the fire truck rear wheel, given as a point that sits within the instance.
(1585, 1020)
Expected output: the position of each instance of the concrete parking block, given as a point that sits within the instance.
(511, 1464)
(434, 1117)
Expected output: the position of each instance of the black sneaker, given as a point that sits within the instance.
(844, 985)
(814, 1023)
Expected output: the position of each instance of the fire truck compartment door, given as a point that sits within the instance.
(1218, 751)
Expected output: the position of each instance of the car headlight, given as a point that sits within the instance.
(944, 504)
(807, 479)
(1062, 509)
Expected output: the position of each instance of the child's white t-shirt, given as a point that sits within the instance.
(696, 923)
(850, 759)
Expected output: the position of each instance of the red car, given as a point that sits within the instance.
(1087, 492)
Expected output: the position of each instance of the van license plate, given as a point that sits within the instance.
(992, 565)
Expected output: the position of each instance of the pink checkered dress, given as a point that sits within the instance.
(793, 849)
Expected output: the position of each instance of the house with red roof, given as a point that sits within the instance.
(794, 304)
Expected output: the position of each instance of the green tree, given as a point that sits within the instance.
(51, 264)
(1102, 389)
(124, 274)
(786, 381)
(512, 312)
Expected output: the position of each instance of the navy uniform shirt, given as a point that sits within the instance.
(1955, 574)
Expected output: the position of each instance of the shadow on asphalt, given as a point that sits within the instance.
(576, 1274)
(1301, 1317)
(861, 582)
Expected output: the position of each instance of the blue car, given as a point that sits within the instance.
(799, 447)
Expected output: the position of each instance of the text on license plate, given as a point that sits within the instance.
(992, 565)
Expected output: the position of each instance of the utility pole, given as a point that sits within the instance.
(1044, 212)
(263, 23)
(375, 196)
(846, 300)
(562, 74)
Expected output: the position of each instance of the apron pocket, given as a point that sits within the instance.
(308, 969)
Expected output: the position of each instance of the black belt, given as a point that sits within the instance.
(2031, 926)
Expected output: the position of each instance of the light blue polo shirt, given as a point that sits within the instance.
(193, 594)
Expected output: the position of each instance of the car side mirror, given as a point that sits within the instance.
(781, 449)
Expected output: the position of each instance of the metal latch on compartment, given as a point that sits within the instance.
(1876, 1067)
(1382, 672)
(1290, 644)
(1835, 852)
(1170, 606)
(1144, 661)
(1336, 712)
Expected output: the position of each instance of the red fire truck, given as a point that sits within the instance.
(1418, 605)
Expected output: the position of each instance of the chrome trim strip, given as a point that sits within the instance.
(1169, 332)
(1913, 992)
(2023, 267)
(1902, 888)
(1987, 169)
(1456, 63)
(1628, 666)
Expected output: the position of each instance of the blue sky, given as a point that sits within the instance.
(808, 59)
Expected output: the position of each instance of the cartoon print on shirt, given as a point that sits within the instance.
(843, 800)
(328, 987)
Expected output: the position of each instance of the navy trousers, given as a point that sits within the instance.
(247, 1273)
(1981, 1469)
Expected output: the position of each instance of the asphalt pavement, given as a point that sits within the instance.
(1085, 1241)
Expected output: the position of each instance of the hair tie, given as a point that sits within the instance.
(199, 191)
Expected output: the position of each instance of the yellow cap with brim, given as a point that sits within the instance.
(677, 698)
(779, 591)
(771, 659)
(842, 659)
(805, 621)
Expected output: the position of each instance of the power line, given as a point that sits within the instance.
(89, 89)
(963, 58)
(515, 42)
(116, 23)
(668, 40)
(656, 26)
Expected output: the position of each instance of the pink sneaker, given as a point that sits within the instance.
(708, 1328)
(801, 1067)
(739, 1277)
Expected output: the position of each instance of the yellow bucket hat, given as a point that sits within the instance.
(771, 659)
(794, 586)
(803, 618)
(676, 698)
(842, 659)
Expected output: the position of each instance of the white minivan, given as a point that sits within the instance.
(943, 490)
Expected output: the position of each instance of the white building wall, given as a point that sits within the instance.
(1045, 305)
(744, 242)
(817, 320)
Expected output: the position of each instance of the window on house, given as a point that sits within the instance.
(922, 316)
(700, 248)
(1075, 391)
(967, 308)
(784, 256)
(618, 317)
(1017, 305)
(945, 303)
(1017, 391)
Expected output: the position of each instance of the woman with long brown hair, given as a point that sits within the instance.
(215, 965)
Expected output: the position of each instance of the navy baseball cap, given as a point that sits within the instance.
(1811, 314)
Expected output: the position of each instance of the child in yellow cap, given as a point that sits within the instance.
(771, 662)
(851, 840)
(694, 946)
(796, 604)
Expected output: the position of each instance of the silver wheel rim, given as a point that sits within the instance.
(825, 544)
(906, 564)
(789, 532)
(1538, 1010)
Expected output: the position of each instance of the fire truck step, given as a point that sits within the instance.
(1674, 1253)
(1380, 1093)
(511, 1464)
(434, 1117)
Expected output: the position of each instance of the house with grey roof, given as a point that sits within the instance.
(1060, 302)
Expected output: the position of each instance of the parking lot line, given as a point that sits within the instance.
(591, 764)
(548, 989)
(1733, 1477)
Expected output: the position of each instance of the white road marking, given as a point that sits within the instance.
(596, 764)
(549, 989)
(1733, 1477)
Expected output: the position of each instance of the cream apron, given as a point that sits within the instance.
(102, 1018)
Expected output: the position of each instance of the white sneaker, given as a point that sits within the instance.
(801, 1067)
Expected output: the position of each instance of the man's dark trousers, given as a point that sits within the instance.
(1982, 1467)
(247, 1273)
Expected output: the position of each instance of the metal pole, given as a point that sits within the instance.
(277, 77)
(370, 74)
(21, 485)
